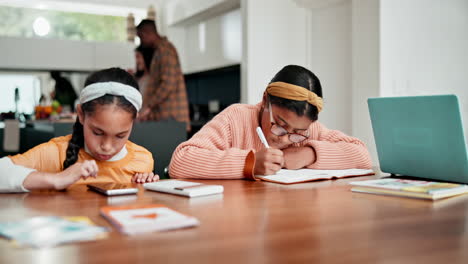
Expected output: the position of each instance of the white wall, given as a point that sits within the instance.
(330, 60)
(187, 12)
(114, 54)
(48, 54)
(424, 49)
(214, 43)
(274, 34)
(344, 53)
(207, 42)
(365, 68)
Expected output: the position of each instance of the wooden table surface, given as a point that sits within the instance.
(259, 222)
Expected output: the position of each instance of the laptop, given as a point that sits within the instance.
(420, 136)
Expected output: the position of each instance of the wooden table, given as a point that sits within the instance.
(259, 222)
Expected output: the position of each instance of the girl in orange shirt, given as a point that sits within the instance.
(98, 150)
(228, 146)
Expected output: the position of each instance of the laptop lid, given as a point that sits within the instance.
(420, 136)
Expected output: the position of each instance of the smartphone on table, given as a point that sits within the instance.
(111, 188)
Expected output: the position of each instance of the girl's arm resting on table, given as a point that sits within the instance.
(209, 155)
(298, 157)
(41, 180)
(336, 150)
(61, 180)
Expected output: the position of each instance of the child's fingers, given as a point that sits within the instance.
(135, 177)
(143, 177)
(84, 171)
(154, 178)
(148, 177)
(95, 168)
(140, 177)
(92, 168)
(89, 168)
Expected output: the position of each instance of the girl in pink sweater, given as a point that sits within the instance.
(228, 146)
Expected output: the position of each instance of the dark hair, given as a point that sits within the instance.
(147, 23)
(55, 74)
(65, 94)
(108, 75)
(147, 54)
(300, 76)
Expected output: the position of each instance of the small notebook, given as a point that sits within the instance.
(306, 175)
(185, 188)
(135, 219)
(410, 188)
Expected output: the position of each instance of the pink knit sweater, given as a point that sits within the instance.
(225, 147)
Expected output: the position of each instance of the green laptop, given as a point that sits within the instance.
(420, 136)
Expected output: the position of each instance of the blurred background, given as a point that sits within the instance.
(230, 49)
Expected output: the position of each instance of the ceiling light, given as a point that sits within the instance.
(41, 26)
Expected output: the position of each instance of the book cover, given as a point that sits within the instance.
(410, 188)
(136, 219)
(185, 188)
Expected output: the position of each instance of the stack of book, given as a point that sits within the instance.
(410, 188)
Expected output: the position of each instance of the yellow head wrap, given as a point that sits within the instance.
(294, 92)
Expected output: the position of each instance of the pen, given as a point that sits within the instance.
(262, 137)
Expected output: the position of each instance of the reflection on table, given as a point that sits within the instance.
(260, 222)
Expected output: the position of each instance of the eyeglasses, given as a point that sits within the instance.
(281, 131)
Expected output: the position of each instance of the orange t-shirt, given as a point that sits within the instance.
(49, 157)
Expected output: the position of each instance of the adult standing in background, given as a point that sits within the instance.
(63, 91)
(164, 96)
(143, 58)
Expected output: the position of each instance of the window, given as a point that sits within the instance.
(28, 22)
(29, 92)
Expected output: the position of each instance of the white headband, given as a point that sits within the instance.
(99, 89)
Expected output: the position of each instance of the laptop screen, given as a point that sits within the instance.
(420, 136)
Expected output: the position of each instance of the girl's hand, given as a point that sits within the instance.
(143, 177)
(75, 172)
(268, 161)
(298, 157)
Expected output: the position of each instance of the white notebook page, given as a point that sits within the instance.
(291, 176)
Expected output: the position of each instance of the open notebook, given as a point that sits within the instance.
(305, 175)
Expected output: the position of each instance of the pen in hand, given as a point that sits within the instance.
(262, 137)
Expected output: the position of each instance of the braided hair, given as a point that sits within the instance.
(300, 76)
(108, 75)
